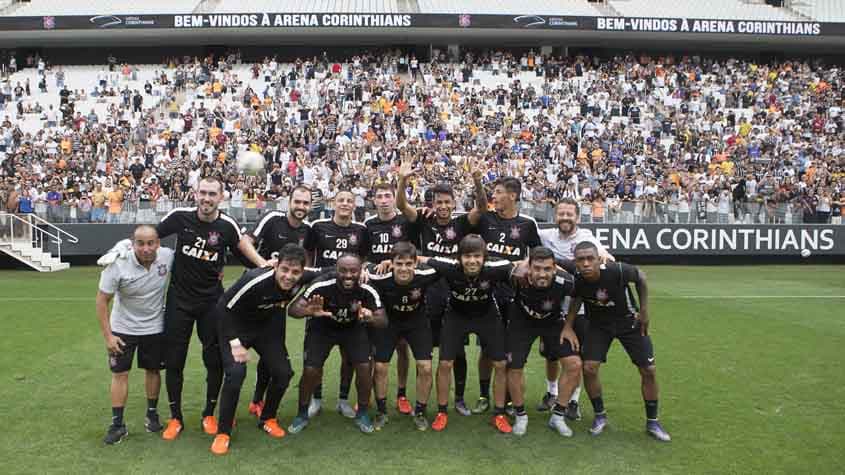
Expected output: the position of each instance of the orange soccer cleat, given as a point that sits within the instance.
(500, 421)
(220, 446)
(209, 425)
(403, 405)
(255, 408)
(440, 421)
(173, 429)
(272, 428)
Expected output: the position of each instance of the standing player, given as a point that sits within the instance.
(439, 237)
(273, 231)
(471, 309)
(509, 235)
(203, 236)
(562, 241)
(537, 312)
(610, 308)
(384, 230)
(331, 238)
(137, 283)
(340, 307)
(252, 315)
(403, 291)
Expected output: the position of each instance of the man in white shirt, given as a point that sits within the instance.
(136, 278)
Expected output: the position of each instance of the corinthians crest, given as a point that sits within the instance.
(396, 231)
(515, 232)
(415, 294)
(450, 233)
(213, 238)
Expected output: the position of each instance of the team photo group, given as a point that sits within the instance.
(406, 281)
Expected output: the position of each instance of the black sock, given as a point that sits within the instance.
(651, 410)
(498, 410)
(362, 409)
(598, 405)
(484, 385)
(152, 405)
(318, 392)
(382, 405)
(400, 392)
(419, 410)
(444, 408)
(559, 410)
(303, 410)
(117, 416)
(460, 371)
(176, 410)
(344, 392)
(210, 405)
(520, 410)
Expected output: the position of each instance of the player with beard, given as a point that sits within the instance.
(273, 231)
(509, 235)
(471, 309)
(385, 229)
(562, 241)
(612, 312)
(252, 315)
(340, 308)
(439, 237)
(403, 292)
(537, 311)
(329, 239)
(204, 234)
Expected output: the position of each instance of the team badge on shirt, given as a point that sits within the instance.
(416, 294)
(213, 238)
(353, 239)
(514, 232)
(548, 305)
(450, 233)
(603, 297)
(396, 231)
(162, 269)
(484, 284)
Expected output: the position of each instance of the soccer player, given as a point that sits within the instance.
(385, 229)
(252, 315)
(537, 311)
(471, 309)
(612, 313)
(439, 237)
(403, 291)
(340, 308)
(273, 231)
(204, 234)
(136, 282)
(509, 235)
(331, 238)
(562, 241)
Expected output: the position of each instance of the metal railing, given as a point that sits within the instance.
(32, 230)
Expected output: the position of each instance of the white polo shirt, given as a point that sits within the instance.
(564, 247)
(138, 307)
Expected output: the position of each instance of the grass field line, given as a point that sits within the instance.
(653, 297)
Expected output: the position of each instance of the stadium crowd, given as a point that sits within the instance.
(632, 138)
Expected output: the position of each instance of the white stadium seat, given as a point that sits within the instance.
(510, 7)
(822, 10)
(718, 9)
(308, 6)
(103, 7)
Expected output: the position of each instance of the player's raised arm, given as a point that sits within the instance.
(406, 170)
(474, 216)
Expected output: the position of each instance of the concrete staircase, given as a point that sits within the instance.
(33, 257)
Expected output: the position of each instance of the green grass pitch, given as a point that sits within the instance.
(749, 364)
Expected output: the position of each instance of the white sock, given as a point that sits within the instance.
(576, 394)
(551, 387)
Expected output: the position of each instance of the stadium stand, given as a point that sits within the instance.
(308, 6)
(717, 9)
(822, 10)
(506, 7)
(102, 7)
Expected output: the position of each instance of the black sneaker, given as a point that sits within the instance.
(152, 423)
(573, 412)
(548, 402)
(115, 434)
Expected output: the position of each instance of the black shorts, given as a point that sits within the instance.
(489, 329)
(503, 295)
(416, 331)
(150, 352)
(321, 336)
(581, 325)
(436, 300)
(522, 333)
(600, 335)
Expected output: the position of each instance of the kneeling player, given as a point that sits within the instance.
(612, 315)
(341, 307)
(251, 314)
(537, 312)
(471, 310)
(403, 291)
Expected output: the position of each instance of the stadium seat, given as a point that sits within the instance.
(821, 10)
(103, 7)
(718, 9)
(308, 6)
(507, 7)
